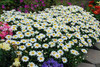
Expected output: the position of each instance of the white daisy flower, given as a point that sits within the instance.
(37, 45)
(24, 30)
(21, 36)
(75, 41)
(40, 59)
(52, 44)
(86, 44)
(57, 55)
(42, 35)
(77, 35)
(81, 38)
(36, 25)
(38, 37)
(65, 48)
(64, 59)
(71, 42)
(64, 37)
(36, 32)
(28, 44)
(54, 40)
(27, 22)
(49, 31)
(33, 40)
(13, 28)
(29, 28)
(32, 32)
(45, 46)
(84, 50)
(80, 45)
(32, 53)
(17, 42)
(60, 52)
(39, 53)
(60, 40)
(15, 37)
(23, 41)
(22, 21)
(22, 47)
(28, 34)
(18, 52)
(8, 37)
(74, 52)
(19, 32)
(90, 45)
(85, 36)
(61, 44)
(53, 53)
(8, 41)
(89, 40)
(31, 64)
(69, 35)
(68, 45)
(13, 42)
(25, 58)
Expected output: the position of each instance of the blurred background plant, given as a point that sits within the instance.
(7, 5)
(23, 5)
(5, 30)
(94, 7)
(7, 54)
(38, 5)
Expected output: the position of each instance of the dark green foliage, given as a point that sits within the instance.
(15, 4)
(7, 57)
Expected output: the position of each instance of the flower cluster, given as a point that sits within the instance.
(23, 5)
(32, 5)
(60, 32)
(4, 30)
(52, 63)
(7, 53)
(5, 46)
(94, 8)
(17, 62)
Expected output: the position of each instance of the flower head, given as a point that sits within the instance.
(52, 63)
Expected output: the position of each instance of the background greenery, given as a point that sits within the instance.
(14, 4)
(20, 6)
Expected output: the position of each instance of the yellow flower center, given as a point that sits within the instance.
(65, 48)
(25, 58)
(39, 53)
(73, 51)
(45, 45)
(13, 42)
(41, 58)
(55, 39)
(37, 45)
(57, 55)
(33, 52)
(39, 36)
(31, 64)
(28, 44)
(21, 35)
(28, 33)
(64, 59)
(60, 51)
(8, 36)
(22, 46)
(23, 41)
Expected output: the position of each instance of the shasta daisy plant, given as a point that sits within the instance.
(63, 33)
